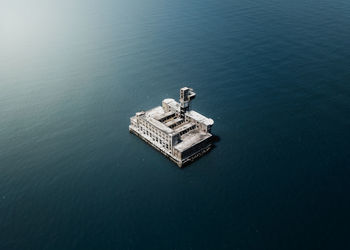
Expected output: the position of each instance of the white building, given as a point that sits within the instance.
(178, 132)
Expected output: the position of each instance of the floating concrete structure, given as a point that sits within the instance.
(179, 133)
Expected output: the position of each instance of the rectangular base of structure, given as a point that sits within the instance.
(180, 162)
(181, 134)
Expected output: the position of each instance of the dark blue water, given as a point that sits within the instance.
(274, 75)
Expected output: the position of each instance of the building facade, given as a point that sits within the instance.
(178, 132)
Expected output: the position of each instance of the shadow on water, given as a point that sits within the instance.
(215, 139)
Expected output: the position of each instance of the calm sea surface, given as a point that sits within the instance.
(273, 74)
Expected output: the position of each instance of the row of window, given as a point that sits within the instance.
(167, 118)
(186, 130)
(155, 137)
(154, 130)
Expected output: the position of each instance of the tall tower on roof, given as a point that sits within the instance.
(186, 96)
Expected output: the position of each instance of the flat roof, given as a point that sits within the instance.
(184, 126)
(156, 112)
(173, 121)
(200, 118)
(172, 103)
(161, 116)
(191, 139)
(159, 125)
